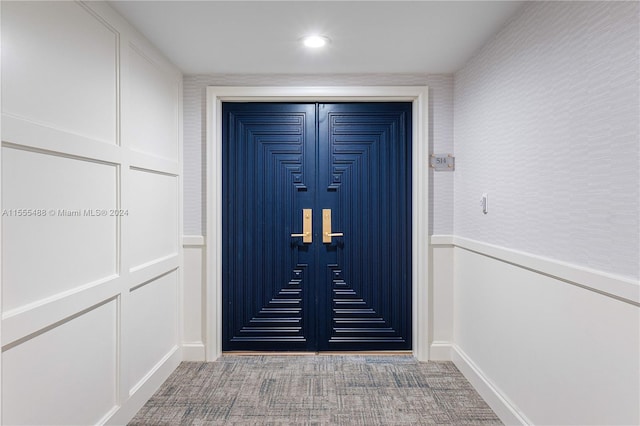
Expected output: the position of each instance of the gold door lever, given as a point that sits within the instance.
(326, 227)
(307, 235)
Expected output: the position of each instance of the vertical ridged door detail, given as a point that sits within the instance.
(367, 184)
(352, 293)
(265, 180)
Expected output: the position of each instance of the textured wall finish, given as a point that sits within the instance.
(440, 129)
(546, 122)
(441, 140)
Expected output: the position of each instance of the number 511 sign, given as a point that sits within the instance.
(442, 162)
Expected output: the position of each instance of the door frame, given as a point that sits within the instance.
(418, 96)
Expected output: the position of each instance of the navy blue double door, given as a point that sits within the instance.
(316, 226)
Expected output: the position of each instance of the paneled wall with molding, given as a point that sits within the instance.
(92, 215)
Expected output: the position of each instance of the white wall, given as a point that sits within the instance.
(557, 353)
(194, 299)
(91, 121)
(546, 295)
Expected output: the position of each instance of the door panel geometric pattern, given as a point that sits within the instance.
(371, 276)
(354, 320)
(262, 173)
(280, 319)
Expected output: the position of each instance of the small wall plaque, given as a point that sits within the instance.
(443, 162)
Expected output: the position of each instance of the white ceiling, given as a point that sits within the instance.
(262, 37)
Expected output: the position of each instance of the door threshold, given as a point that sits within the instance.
(366, 353)
(332, 353)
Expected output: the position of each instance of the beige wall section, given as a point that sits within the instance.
(91, 178)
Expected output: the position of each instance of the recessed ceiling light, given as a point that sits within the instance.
(315, 41)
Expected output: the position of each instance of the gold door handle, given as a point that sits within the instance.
(326, 227)
(307, 235)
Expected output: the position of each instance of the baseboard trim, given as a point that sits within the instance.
(145, 389)
(440, 351)
(618, 287)
(504, 409)
(193, 351)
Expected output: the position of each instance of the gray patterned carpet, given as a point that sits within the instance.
(319, 389)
